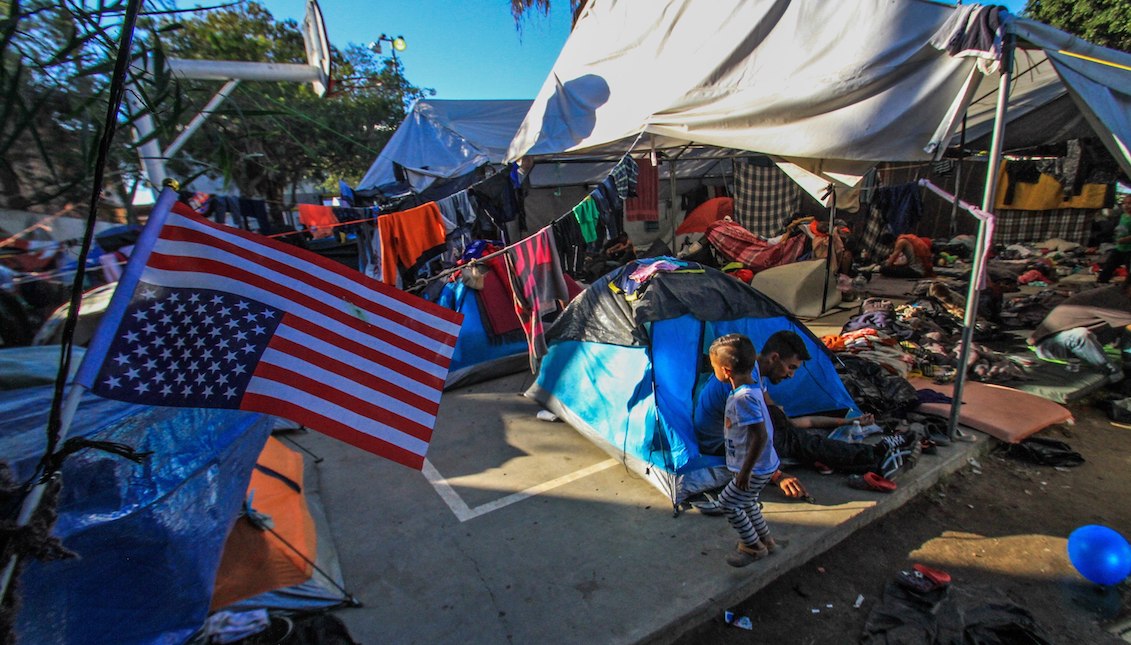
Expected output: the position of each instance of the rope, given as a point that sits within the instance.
(113, 106)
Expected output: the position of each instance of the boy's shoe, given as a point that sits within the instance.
(773, 545)
(744, 555)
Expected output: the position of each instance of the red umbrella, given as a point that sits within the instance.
(702, 215)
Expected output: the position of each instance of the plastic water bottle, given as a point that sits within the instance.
(856, 434)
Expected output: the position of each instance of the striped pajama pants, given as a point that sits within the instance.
(742, 509)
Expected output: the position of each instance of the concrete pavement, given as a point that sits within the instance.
(522, 531)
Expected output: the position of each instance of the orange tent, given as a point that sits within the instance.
(255, 561)
(702, 215)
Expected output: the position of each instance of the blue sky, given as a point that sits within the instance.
(465, 49)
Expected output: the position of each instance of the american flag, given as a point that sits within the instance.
(210, 316)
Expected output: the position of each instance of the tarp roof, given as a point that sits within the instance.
(445, 139)
(829, 86)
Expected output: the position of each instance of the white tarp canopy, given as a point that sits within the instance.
(820, 85)
(444, 139)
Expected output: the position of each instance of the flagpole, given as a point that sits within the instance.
(31, 501)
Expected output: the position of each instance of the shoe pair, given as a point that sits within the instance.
(744, 555)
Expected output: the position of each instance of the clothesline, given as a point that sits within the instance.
(421, 283)
(370, 219)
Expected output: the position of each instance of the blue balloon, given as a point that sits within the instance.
(1100, 554)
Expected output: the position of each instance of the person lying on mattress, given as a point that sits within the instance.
(803, 440)
(1079, 327)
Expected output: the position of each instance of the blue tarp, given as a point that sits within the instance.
(149, 536)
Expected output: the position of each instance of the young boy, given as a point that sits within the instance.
(749, 436)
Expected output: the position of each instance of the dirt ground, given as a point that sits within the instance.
(1003, 526)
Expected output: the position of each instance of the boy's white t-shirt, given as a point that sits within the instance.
(746, 406)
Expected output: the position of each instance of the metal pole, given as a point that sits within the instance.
(671, 208)
(829, 250)
(978, 269)
(149, 151)
(958, 179)
(201, 117)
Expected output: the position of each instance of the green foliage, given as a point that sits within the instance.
(269, 136)
(1103, 22)
(55, 62)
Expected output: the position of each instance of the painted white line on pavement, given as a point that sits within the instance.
(464, 513)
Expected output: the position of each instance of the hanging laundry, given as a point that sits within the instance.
(319, 219)
(764, 197)
(570, 244)
(197, 201)
(624, 175)
(538, 286)
(225, 207)
(645, 206)
(497, 195)
(405, 236)
(497, 298)
(587, 217)
(615, 216)
(256, 208)
(901, 205)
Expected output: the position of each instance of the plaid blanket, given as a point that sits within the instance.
(740, 245)
(875, 225)
(764, 198)
(1018, 227)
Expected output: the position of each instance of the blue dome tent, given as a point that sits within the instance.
(626, 373)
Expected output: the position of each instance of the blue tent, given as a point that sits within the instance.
(149, 536)
(479, 355)
(626, 373)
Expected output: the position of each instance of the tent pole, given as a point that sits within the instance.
(977, 271)
(671, 207)
(830, 249)
(958, 179)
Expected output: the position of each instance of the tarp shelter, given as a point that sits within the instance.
(826, 88)
(442, 140)
(149, 536)
(445, 139)
(625, 374)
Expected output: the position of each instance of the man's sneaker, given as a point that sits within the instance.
(901, 453)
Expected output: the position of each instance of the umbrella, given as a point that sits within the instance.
(703, 214)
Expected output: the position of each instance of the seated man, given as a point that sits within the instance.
(798, 439)
(910, 257)
(1080, 326)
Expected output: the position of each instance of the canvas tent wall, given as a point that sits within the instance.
(625, 374)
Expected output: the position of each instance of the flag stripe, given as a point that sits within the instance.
(334, 428)
(296, 277)
(272, 380)
(182, 272)
(310, 263)
(321, 344)
(189, 256)
(349, 379)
